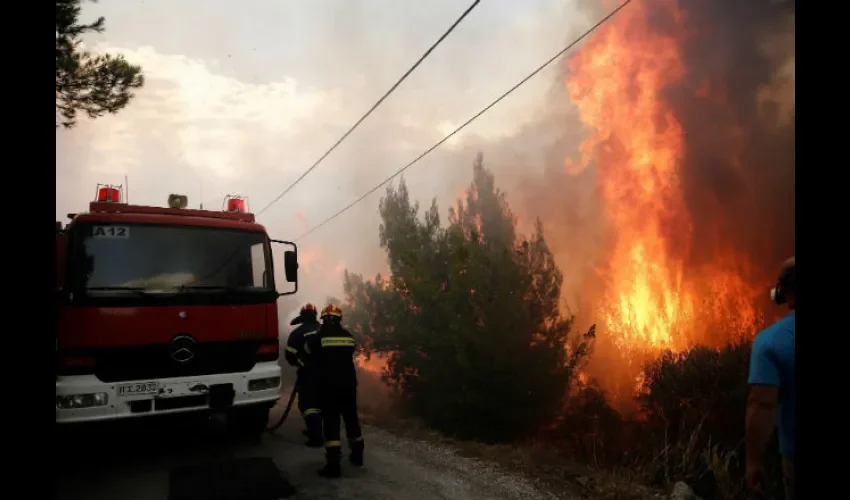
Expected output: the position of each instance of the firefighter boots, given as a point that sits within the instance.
(314, 431)
(356, 457)
(333, 467)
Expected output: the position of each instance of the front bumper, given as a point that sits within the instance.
(173, 395)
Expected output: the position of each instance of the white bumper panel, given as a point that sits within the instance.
(174, 395)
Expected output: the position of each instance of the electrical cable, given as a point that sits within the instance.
(374, 107)
(467, 122)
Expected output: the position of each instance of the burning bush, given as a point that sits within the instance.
(694, 404)
(698, 388)
(690, 426)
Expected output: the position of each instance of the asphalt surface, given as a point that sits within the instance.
(137, 462)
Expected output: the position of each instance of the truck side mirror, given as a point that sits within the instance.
(290, 265)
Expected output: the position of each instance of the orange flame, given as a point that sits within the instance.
(315, 262)
(653, 298)
(375, 364)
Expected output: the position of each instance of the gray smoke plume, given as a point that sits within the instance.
(736, 105)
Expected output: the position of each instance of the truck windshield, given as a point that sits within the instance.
(147, 258)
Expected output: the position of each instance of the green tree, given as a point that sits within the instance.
(86, 83)
(469, 315)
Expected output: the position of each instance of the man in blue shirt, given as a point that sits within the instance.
(773, 393)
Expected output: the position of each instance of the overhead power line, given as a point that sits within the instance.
(374, 106)
(467, 122)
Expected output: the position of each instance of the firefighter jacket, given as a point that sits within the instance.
(333, 351)
(296, 355)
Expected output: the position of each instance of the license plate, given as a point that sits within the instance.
(138, 388)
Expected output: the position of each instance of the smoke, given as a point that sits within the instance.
(736, 105)
(429, 104)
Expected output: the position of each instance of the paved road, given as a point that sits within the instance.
(135, 464)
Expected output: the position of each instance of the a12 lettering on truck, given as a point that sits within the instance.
(163, 310)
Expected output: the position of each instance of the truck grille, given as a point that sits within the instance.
(149, 362)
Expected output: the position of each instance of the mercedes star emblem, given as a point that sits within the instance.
(182, 349)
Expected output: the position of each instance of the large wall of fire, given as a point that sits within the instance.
(687, 117)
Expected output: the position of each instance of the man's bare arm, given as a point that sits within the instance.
(761, 419)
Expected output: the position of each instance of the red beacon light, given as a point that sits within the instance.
(235, 203)
(107, 193)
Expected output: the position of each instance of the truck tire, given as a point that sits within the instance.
(248, 421)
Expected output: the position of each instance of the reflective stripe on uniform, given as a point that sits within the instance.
(300, 362)
(332, 444)
(356, 439)
(337, 342)
(307, 348)
(292, 350)
(311, 333)
(312, 411)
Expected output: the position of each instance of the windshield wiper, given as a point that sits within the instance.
(223, 288)
(203, 287)
(132, 289)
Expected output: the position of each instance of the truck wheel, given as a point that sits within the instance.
(248, 421)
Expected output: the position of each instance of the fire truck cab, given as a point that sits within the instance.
(164, 310)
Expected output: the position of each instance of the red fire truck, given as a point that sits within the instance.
(167, 310)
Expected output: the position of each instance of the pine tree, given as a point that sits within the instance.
(94, 85)
(469, 314)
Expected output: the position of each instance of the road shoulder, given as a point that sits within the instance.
(536, 463)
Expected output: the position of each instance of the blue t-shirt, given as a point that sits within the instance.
(772, 363)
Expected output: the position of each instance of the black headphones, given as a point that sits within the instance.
(777, 295)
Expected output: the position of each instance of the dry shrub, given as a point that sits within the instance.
(691, 425)
(698, 389)
(694, 403)
(592, 430)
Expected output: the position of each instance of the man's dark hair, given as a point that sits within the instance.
(788, 277)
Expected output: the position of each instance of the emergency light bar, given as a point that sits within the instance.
(108, 193)
(178, 201)
(235, 203)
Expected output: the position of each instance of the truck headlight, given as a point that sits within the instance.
(263, 384)
(75, 401)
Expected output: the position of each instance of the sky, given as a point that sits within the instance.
(242, 97)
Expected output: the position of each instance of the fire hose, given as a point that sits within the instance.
(286, 411)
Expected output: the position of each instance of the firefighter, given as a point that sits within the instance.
(307, 382)
(333, 350)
